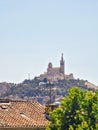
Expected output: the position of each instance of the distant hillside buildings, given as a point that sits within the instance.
(56, 73)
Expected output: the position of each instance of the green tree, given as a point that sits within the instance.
(78, 111)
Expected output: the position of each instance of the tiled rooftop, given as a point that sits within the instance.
(22, 114)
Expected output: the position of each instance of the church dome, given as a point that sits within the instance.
(50, 65)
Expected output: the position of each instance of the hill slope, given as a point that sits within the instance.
(41, 91)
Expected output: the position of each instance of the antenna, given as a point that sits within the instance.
(29, 76)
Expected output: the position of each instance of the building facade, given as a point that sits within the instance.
(56, 73)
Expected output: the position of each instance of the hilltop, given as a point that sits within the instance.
(40, 90)
(49, 86)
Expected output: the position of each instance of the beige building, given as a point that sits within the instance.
(55, 73)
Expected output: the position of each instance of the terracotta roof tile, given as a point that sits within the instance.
(22, 114)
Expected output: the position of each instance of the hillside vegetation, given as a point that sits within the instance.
(39, 90)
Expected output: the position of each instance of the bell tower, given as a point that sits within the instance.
(62, 65)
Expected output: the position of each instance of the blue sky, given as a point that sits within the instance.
(35, 32)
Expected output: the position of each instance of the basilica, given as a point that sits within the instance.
(56, 73)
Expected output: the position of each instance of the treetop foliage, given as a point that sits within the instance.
(78, 111)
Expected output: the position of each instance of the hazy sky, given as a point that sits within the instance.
(35, 32)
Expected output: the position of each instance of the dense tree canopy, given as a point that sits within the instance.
(78, 111)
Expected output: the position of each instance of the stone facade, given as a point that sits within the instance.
(56, 73)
